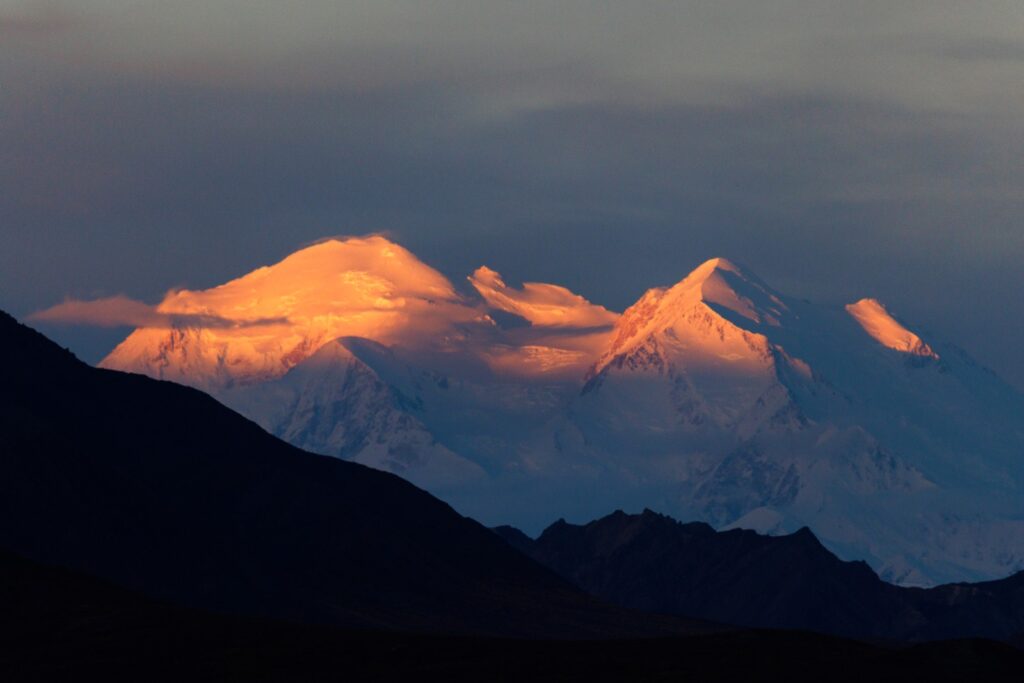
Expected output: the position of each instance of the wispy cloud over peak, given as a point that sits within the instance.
(542, 304)
(122, 311)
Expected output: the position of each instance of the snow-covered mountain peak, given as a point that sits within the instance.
(881, 326)
(697, 357)
(732, 289)
(335, 274)
(368, 287)
(719, 312)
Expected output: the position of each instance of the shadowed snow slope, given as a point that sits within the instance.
(717, 398)
(333, 403)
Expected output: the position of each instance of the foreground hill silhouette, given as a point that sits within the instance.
(654, 563)
(159, 488)
(61, 625)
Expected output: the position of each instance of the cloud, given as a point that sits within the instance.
(544, 305)
(122, 311)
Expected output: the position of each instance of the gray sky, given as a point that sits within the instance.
(839, 149)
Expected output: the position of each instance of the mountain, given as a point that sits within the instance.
(258, 326)
(654, 563)
(789, 414)
(59, 625)
(718, 398)
(159, 488)
(335, 404)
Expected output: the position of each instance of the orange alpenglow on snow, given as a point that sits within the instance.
(566, 331)
(692, 310)
(543, 305)
(886, 330)
(257, 327)
(365, 287)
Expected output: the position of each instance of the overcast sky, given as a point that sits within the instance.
(839, 149)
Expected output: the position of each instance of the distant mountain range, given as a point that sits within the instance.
(718, 399)
(654, 563)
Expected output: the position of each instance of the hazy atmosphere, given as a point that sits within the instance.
(839, 149)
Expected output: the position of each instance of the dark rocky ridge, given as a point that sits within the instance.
(654, 563)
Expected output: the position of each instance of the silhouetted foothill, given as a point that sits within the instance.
(160, 488)
(654, 563)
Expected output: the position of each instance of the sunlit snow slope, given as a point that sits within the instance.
(717, 398)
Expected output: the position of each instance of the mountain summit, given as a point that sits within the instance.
(717, 398)
(703, 336)
(277, 316)
(257, 327)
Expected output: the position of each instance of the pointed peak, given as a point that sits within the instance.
(716, 301)
(712, 265)
(725, 286)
